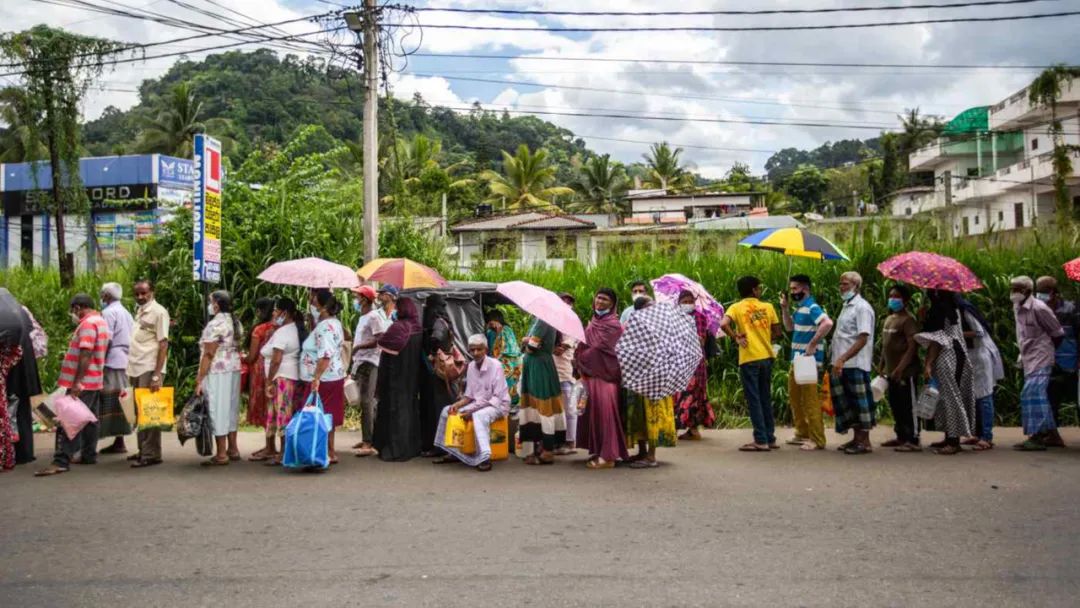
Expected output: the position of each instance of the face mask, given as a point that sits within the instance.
(896, 304)
(210, 310)
(279, 321)
(797, 296)
(1045, 297)
(393, 315)
(638, 296)
(75, 318)
(601, 311)
(314, 310)
(847, 295)
(1017, 298)
(104, 304)
(356, 306)
(687, 308)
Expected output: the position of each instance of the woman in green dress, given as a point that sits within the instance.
(503, 346)
(541, 417)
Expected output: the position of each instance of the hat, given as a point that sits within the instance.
(365, 291)
(566, 295)
(478, 340)
(390, 289)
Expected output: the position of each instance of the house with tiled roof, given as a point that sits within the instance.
(525, 239)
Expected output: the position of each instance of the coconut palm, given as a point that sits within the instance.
(17, 144)
(600, 186)
(664, 170)
(918, 131)
(525, 181)
(408, 162)
(171, 131)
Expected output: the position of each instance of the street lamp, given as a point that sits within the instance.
(354, 21)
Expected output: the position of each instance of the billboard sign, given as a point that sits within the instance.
(175, 172)
(206, 210)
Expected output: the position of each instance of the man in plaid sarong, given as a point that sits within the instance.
(1039, 333)
(852, 360)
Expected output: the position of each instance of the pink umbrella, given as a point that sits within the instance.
(1072, 269)
(312, 273)
(544, 305)
(930, 271)
(668, 287)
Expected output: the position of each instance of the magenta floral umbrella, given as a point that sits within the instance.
(930, 271)
(1072, 269)
(668, 287)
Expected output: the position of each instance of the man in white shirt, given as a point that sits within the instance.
(852, 361)
(372, 325)
(638, 290)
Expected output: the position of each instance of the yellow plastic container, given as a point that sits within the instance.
(500, 439)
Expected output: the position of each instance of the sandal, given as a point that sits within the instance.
(235, 457)
(690, 436)
(892, 443)
(257, 457)
(810, 447)
(272, 463)
(908, 447)
(982, 445)
(50, 471)
(214, 462)
(753, 447)
(484, 467)
(1031, 445)
(844, 446)
(363, 452)
(858, 449)
(948, 450)
(564, 451)
(113, 449)
(644, 463)
(596, 464)
(134, 457)
(448, 459)
(145, 463)
(259, 452)
(774, 446)
(796, 441)
(970, 441)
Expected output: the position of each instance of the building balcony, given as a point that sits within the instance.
(1017, 112)
(1036, 172)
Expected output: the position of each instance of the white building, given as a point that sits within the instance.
(993, 168)
(658, 207)
(524, 239)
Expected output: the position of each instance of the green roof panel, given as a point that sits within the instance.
(972, 120)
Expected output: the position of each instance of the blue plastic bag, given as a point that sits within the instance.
(306, 436)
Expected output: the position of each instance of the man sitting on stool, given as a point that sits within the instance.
(485, 400)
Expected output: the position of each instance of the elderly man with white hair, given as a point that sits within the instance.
(1039, 333)
(485, 400)
(852, 361)
(112, 422)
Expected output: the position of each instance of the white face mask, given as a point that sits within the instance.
(314, 310)
(75, 318)
(210, 310)
(687, 308)
(1017, 298)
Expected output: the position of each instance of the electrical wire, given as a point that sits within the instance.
(788, 11)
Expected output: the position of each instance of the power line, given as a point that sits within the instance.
(954, 66)
(749, 28)
(445, 9)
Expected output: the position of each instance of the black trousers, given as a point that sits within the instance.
(1062, 389)
(901, 402)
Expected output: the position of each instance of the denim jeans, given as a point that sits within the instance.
(756, 379)
(984, 410)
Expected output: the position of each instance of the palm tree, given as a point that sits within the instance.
(664, 169)
(917, 131)
(525, 181)
(172, 130)
(601, 185)
(405, 163)
(17, 142)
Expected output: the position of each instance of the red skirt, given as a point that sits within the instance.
(332, 394)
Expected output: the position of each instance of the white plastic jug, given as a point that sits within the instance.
(805, 369)
(878, 387)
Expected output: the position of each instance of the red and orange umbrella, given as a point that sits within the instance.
(402, 273)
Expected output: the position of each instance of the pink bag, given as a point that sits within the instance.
(72, 414)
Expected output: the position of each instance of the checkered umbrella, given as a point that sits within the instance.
(658, 351)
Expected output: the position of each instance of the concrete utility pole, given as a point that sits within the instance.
(367, 25)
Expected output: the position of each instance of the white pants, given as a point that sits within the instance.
(570, 409)
(482, 420)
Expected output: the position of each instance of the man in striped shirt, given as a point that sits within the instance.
(808, 325)
(82, 374)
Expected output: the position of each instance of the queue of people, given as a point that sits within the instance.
(938, 366)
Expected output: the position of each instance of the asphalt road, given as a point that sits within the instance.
(711, 527)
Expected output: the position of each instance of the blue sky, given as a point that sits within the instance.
(863, 99)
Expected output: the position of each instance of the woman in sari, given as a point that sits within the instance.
(264, 327)
(541, 417)
(692, 405)
(600, 429)
(397, 426)
(435, 392)
(649, 422)
(503, 345)
(949, 366)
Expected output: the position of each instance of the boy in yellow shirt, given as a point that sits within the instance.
(753, 324)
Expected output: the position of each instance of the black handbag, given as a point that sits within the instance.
(194, 423)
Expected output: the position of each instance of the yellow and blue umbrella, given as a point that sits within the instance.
(795, 242)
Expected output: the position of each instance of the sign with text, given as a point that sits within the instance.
(206, 209)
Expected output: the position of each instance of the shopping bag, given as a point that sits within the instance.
(352, 392)
(127, 405)
(307, 436)
(826, 395)
(460, 434)
(13, 417)
(154, 409)
(72, 414)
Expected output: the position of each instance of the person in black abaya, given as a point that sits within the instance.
(435, 393)
(397, 427)
(22, 380)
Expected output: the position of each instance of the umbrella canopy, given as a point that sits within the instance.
(930, 271)
(668, 287)
(402, 273)
(794, 242)
(312, 273)
(544, 305)
(658, 351)
(1072, 269)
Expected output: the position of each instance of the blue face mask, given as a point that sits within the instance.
(393, 316)
(356, 305)
(1045, 297)
(896, 304)
(847, 295)
(601, 311)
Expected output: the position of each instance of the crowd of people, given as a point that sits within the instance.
(938, 366)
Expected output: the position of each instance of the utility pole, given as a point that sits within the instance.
(367, 25)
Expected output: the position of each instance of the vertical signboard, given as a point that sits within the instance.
(206, 209)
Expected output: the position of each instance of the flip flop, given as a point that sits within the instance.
(49, 472)
(134, 457)
(214, 462)
(644, 464)
(796, 441)
(753, 447)
(260, 457)
(364, 452)
(908, 447)
(596, 464)
(484, 467)
(810, 447)
(982, 446)
(145, 463)
(448, 459)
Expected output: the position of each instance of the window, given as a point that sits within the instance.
(1001, 217)
(501, 248)
(976, 220)
(907, 211)
(561, 247)
(1035, 143)
(973, 172)
(1018, 215)
(967, 227)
